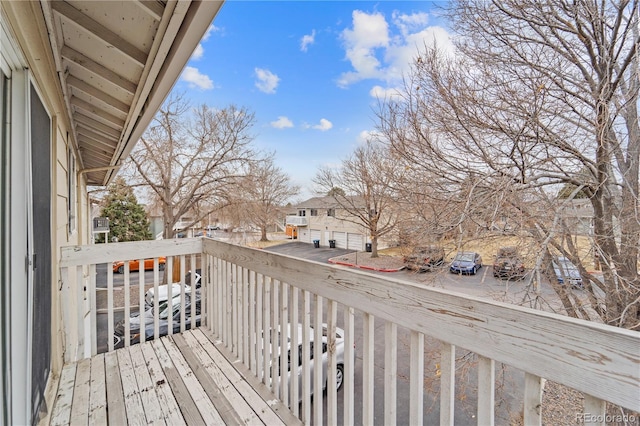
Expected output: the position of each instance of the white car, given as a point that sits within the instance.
(325, 356)
(176, 288)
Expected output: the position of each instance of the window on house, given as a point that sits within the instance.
(313, 212)
(331, 212)
(302, 212)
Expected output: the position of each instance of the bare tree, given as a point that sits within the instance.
(193, 159)
(265, 191)
(364, 180)
(537, 96)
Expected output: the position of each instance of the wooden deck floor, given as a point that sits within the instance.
(176, 380)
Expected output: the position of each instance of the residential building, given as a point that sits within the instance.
(324, 219)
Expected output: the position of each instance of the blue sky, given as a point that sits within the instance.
(311, 71)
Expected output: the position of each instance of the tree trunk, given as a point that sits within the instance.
(374, 246)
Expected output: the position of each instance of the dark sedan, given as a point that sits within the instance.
(466, 262)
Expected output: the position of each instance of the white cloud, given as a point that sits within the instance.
(368, 135)
(198, 52)
(382, 93)
(307, 40)
(379, 50)
(212, 29)
(408, 23)
(192, 76)
(324, 125)
(282, 123)
(370, 32)
(267, 81)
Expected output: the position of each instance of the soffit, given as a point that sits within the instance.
(117, 61)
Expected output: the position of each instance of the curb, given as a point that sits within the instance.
(369, 268)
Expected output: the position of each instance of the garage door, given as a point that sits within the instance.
(354, 241)
(303, 235)
(341, 239)
(316, 234)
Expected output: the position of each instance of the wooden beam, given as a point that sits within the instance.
(76, 83)
(77, 102)
(94, 67)
(153, 8)
(100, 31)
(95, 125)
(107, 142)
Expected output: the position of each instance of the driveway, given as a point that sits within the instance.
(307, 251)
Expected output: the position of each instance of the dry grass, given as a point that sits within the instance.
(487, 247)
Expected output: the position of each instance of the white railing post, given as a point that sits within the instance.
(66, 314)
(332, 359)
(349, 366)
(594, 411)
(533, 388)
(275, 340)
(447, 383)
(252, 322)
(317, 359)
(110, 343)
(368, 382)
(295, 354)
(390, 372)
(93, 309)
(80, 302)
(416, 382)
(141, 299)
(306, 358)
(259, 327)
(235, 315)
(266, 332)
(486, 391)
(246, 308)
(284, 342)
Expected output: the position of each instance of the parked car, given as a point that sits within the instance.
(134, 265)
(466, 262)
(325, 357)
(176, 288)
(508, 264)
(567, 272)
(424, 259)
(145, 320)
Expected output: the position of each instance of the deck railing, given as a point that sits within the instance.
(250, 297)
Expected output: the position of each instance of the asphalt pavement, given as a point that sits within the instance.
(307, 251)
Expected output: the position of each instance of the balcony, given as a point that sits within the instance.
(296, 221)
(247, 295)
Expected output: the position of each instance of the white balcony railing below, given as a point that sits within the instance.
(297, 220)
(250, 296)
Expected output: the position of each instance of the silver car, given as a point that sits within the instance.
(567, 272)
(325, 357)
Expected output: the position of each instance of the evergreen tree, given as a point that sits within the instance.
(127, 219)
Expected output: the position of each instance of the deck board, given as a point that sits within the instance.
(98, 394)
(177, 380)
(81, 393)
(168, 404)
